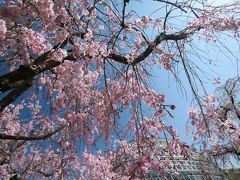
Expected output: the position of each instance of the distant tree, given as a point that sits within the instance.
(75, 75)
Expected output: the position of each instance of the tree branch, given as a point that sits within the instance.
(160, 38)
(12, 96)
(29, 138)
(16, 78)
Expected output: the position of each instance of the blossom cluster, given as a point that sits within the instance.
(35, 40)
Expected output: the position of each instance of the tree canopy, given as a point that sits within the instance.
(75, 75)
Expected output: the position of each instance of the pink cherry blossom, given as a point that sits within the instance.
(3, 29)
(59, 55)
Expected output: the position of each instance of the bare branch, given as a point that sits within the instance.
(173, 4)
